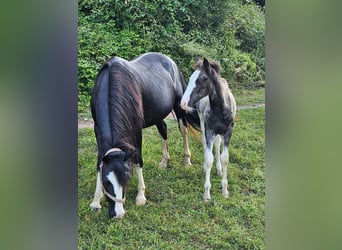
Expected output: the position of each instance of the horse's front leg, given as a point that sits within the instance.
(98, 194)
(140, 199)
(207, 165)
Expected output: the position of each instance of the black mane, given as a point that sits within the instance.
(125, 105)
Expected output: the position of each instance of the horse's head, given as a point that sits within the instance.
(115, 173)
(200, 84)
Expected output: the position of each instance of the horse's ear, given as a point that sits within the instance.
(105, 158)
(108, 157)
(206, 65)
(129, 155)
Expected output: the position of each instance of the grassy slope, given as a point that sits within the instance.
(175, 217)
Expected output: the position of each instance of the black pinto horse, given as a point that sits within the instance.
(127, 97)
(208, 94)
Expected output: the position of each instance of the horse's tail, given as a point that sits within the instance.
(194, 132)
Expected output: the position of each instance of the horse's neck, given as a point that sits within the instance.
(218, 97)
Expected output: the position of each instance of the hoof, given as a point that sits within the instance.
(206, 198)
(187, 162)
(119, 216)
(96, 210)
(163, 165)
(219, 172)
(140, 202)
(225, 194)
(96, 207)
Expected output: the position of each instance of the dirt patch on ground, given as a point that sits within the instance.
(89, 123)
(257, 105)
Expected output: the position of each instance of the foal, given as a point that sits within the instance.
(210, 95)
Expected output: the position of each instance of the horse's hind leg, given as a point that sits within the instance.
(224, 161)
(217, 154)
(187, 153)
(162, 128)
(182, 125)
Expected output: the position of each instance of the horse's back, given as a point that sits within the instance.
(160, 83)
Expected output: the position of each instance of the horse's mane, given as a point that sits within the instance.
(125, 106)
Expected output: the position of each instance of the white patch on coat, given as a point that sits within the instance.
(188, 91)
(119, 210)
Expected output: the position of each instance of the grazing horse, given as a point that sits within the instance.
(209, 94)
(127, 97)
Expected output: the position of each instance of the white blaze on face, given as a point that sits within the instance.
(188, 91)
(118, 193)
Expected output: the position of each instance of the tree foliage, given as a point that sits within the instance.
(231, 32)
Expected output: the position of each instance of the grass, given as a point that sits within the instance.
(249, 96)
(175, 217)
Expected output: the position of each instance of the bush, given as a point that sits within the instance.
(230, 32)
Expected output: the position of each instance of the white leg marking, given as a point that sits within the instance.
(98, 193)
(166, 155)
(187, 153)
(208, 163)
(118, 190)
(140, 199)
(224, 161)
(217, 154)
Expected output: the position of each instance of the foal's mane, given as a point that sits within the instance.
(214, 65)
(125, 106)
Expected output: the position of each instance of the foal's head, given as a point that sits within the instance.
(115, 173)
(200, 83)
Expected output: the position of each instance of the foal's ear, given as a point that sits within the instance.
(129, 155)
(206, 65)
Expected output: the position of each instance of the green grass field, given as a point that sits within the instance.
(175, 216)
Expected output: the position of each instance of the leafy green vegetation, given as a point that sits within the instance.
(231, 32)
(175, 217)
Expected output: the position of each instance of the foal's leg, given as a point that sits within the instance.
(217, 154)
(140, 199)
(162, 128)
(224, 161)
(187, 153)
(207, 165)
